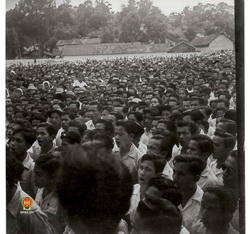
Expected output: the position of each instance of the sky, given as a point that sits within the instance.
(166, 6)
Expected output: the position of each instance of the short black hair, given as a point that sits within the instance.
(81, 127)
(191, 125)
(108, 126)
(195, 164)
(168, 188)
(14, 169)
(131, 127)
(28, 134)
(49, 128)
(229, 140)
(48, 163)
(138, 115)
(167, 143)
(104, 189)
(227, 200)
(163, 218)
(205, 144)
(72, 137)
(107, 140)
(159, 163)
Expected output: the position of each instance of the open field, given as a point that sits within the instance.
(98, 57)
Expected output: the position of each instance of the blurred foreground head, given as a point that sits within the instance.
(93, 189)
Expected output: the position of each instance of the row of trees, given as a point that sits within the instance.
(42, 23)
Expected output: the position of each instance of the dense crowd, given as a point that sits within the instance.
(141, 146)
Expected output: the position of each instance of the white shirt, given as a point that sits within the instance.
(192, 208)
(146, 137)
(142, 149)
(90, 125)
(58, 137)
(22, 221)
(168, 171)
(176, 151)
(26, 181)
(35, 150)
(134, 200)
(212, 164)
(208, 178)
(49, 203)
(199, 228)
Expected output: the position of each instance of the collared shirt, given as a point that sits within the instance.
(199, 228)
(122, 228)
(26, 181)
(35, 150)
(58, 137)
(212, 164)
(168, 171)
(142, 149)
(184, 230)
(131, 160)
(176, 151)
(146, 137)
(115, 148)
(50, 206)
(208, 178)
(90, 125)
(235, 220)
(49, 203)
(191, 210)
(20, 221)
(134, 200)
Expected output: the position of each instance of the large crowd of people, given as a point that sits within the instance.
(140, 146)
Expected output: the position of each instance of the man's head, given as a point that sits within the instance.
(103, 186)
(187, 171)
(65, 119)
(226, 125)
(186, 103)
(14, 171)
(46, 170)
(200, 146)
(149, 167)
(95, 108)
(161, 146)
(158, 212)
(125, 134)
(223, 143)
(106, 126)
(45, 133)
(217, 207)
(194, 102)
(185, 130)
(230, 171)
(21, 141)
(105, 140)
(55, 118)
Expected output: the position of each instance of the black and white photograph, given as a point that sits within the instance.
(124, 117)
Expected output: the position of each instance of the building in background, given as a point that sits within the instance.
(212, 43)
(182, 47)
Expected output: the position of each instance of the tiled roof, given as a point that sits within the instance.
(69, 42)
(204, 41)
(179, 44)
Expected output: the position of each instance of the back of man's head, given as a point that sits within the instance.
(94, 192)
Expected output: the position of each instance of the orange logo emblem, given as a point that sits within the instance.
(27, 203)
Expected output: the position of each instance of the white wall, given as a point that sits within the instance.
(221, 43)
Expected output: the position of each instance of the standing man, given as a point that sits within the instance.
(187, 171)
